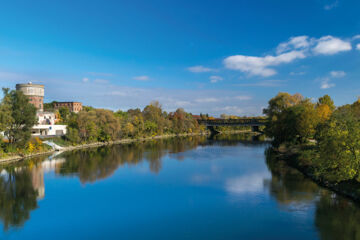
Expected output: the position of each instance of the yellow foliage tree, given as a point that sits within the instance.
(30, 147)
(323, 112)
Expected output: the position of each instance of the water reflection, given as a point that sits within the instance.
(22, 184)
(228, 164)
(335, 216)
(98, 163)
(288, 185)
(18, 196)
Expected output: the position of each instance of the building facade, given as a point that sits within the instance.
(72, 106)
(46, 130)
(35, 93)
(46, 118)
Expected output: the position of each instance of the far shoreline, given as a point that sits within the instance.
(17, 158)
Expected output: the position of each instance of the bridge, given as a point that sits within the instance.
(254, 123)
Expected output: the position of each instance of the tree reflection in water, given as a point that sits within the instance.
(335, 217)
(22, 184)
(97, 163)
(17, 198)
(288, 185)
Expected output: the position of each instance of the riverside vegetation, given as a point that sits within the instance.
(18, 116)
(318, 138)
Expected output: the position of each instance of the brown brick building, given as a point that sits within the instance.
(35, 93)
(72, 106)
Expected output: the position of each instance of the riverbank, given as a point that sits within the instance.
(292, 157)
(19, 157)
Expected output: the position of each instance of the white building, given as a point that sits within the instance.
(48, 130)
(46, 125)
(46, 118)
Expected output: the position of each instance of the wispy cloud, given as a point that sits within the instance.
(297, 73)
(101, 81)
(331, 5)
(200, 69)
(85, 79)
(141, 78)
(358, 46)
(299, 43)
(101, 74)
(325, 83)
(206, 100)
(11, 76)
(243, 98)
(215, 79)
(233, 110)
(337, 74)
(265, 83)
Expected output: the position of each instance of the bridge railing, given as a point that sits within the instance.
(247, 121)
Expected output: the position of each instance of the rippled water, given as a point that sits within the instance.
(181, 188)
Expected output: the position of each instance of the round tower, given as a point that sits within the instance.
(35, 93)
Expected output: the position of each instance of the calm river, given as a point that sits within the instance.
(181, 188)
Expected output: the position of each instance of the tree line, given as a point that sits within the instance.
(328, 136)
(18, 116)
(92, 125)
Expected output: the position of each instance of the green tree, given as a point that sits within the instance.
(5, 111)
(49, 107)
(326, 100)
(339, 148)
(64, 114)
(73, 135)
(281, 120)
(23, 116)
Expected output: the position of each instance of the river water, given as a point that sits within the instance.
(180, 188)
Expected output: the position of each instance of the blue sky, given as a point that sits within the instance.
(205, 56)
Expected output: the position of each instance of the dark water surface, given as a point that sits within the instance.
(181, 188)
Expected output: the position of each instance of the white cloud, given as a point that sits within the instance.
(331, 5)
(325, 83)
(141, 78)
(356, 37)
(85, 79)
(260, 65)
(243, 98)
(358, 46)
(199, 69)
(329, 45)
(337, 74)
(246, 184)
(215, 79)
(298, 47)
(300, 42)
